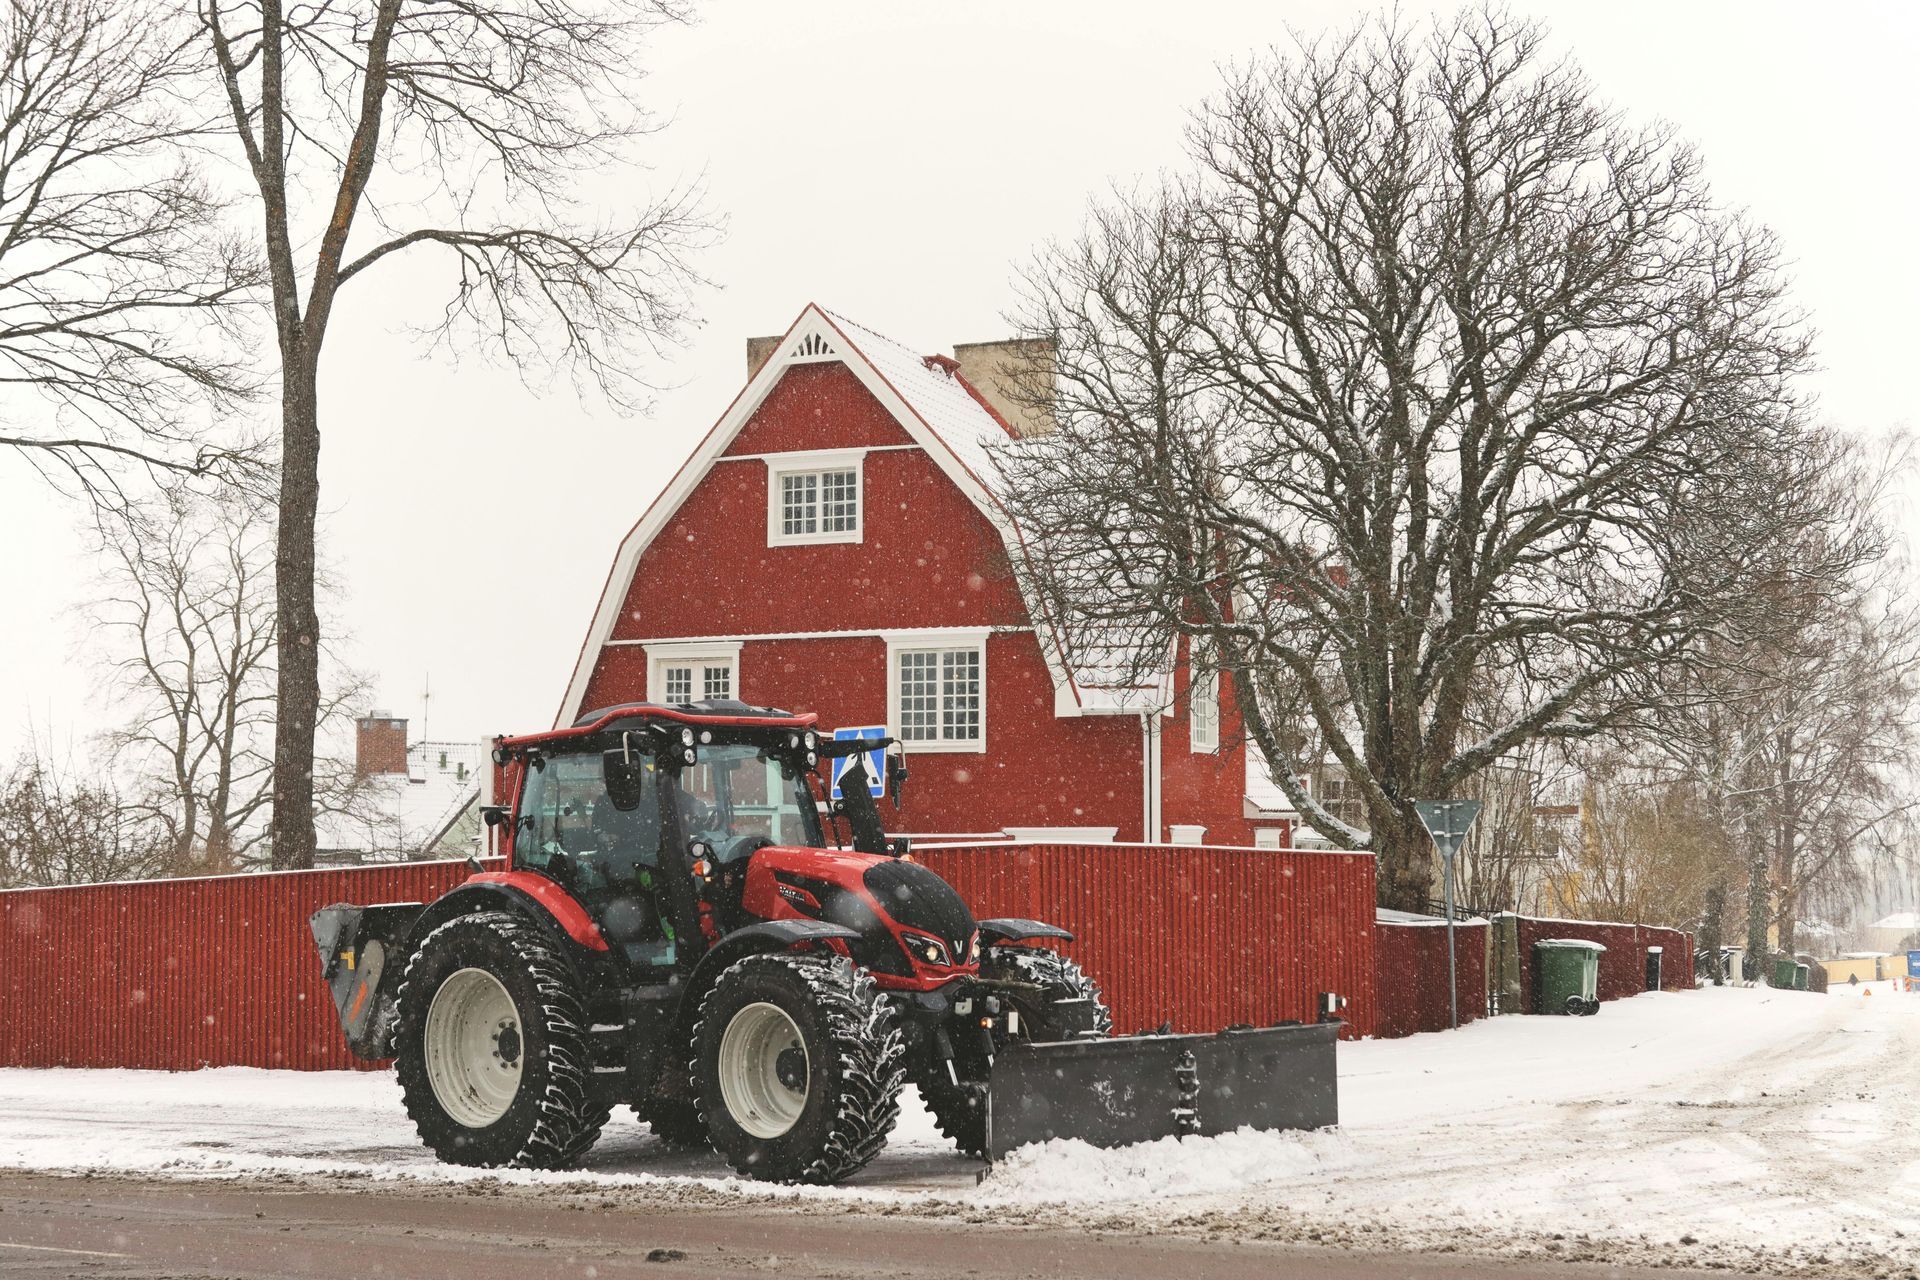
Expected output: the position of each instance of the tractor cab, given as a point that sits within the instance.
(648, 816)
(612, 812)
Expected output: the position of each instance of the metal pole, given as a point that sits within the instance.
(1453, 981)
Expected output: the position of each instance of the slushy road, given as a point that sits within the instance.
(131, 1229)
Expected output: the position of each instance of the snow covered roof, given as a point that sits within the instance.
(1898, 920)
(940, 397)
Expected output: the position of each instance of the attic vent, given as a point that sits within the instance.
(812, 347)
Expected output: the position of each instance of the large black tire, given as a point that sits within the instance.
(832, 1067)
(555, 1112)
(1069, 1005)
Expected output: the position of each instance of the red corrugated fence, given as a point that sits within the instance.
(1410, 968)
(1623, 966)
(1199, 937)
(178, 974)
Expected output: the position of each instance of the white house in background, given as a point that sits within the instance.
(415, 801)
(1896, 933)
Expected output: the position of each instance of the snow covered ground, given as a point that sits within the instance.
(1744, 1128)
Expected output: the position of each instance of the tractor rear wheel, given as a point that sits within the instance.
(797, 1067)
(1068, 1006)
(490, 1047)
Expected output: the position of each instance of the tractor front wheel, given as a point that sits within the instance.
(797, 1067)
(490, 1047)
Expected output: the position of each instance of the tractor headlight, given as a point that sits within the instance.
(686, 737)
(927, 950)
(793, 742)
(812, 740)
(706, 735)
(688, 755)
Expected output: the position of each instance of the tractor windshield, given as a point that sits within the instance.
(738, 790)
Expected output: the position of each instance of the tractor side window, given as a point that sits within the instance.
(566, 810)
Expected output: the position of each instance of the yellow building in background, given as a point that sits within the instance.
(1868, 966)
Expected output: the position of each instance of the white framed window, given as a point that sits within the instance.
(693, 672)
(814, 497)
(937, 691)
(1203, 701)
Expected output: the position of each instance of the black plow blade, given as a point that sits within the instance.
(1115, 1092)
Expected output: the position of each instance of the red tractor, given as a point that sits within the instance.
(676, 931)
(693, 923)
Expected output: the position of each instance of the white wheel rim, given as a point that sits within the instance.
(759, 1101)
(474, 1048)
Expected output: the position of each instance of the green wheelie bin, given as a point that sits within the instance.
(1800, 972)
(1566, 976)
(1786, 973)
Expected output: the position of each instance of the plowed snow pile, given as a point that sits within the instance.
(1720, 1127)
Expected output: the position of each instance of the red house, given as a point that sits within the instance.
(835, 544)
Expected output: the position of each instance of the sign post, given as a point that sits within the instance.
(1448, 822)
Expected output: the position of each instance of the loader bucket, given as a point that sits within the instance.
(361, 954)
(1115, 1092)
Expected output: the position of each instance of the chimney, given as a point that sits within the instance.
(1010, 374)
(759, 351)
(379, 745)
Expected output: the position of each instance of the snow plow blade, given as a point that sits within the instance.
(1115, 1092)
(360, 959)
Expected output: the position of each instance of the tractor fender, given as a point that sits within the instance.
(994, 932)
(572, 930)
(756, 939)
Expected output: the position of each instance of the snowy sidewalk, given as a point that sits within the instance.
(1722, 1127)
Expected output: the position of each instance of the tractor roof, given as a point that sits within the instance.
(716, 713)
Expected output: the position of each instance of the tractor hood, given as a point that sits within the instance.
(882, 899)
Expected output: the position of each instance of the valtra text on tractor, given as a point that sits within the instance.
(691, 924)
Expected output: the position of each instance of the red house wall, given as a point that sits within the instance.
(1410, 976)
(928, 558)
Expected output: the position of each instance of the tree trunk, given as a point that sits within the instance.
(297, 617)
(1712, 929)
(1403, 862)
(1758, 904)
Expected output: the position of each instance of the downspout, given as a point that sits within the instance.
(1146, 778)
(1150, 778)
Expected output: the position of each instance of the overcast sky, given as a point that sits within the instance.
(895, 162)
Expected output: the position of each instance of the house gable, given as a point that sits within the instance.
(935, 410)
(823, 404)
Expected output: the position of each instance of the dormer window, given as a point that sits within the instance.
(814, 497)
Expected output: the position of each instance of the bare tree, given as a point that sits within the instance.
(118, 294)
(57, 829)
(479, 116)
(1432, 367)
(188, 616)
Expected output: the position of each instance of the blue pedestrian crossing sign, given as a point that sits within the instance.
(875, 759)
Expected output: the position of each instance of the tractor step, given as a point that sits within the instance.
(1115, 1092)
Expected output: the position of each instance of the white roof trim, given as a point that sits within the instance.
(812, 338)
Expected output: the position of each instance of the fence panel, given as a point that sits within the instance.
(1411, 976)
(178, 974)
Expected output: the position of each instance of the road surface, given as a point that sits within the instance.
(145, 1230)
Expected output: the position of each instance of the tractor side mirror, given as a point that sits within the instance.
(896, 776)
(626, 777)
(494, 815)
